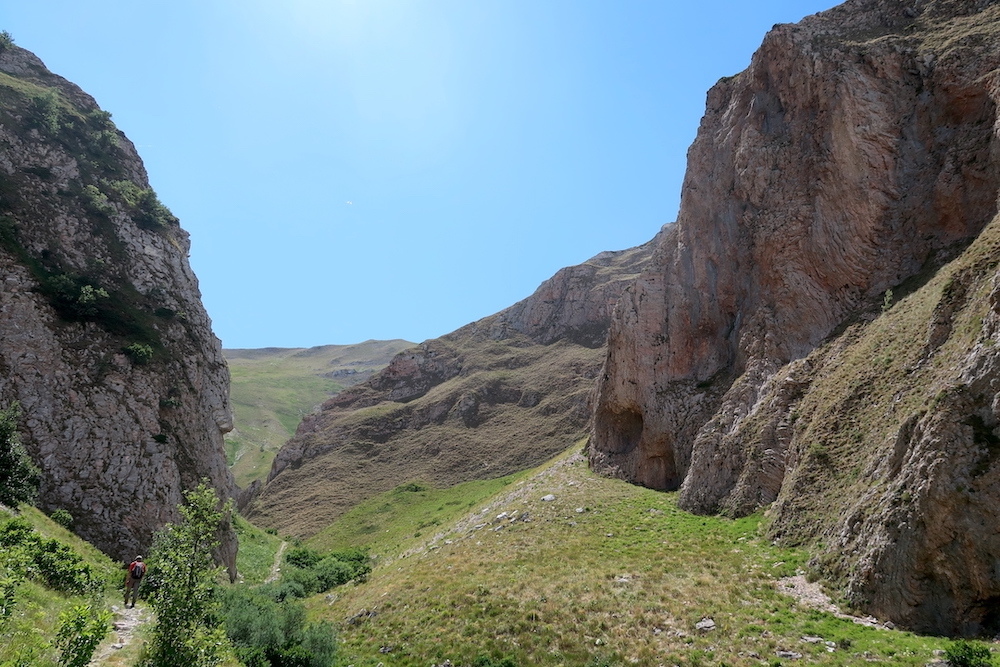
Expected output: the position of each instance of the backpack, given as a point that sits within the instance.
(137, 570)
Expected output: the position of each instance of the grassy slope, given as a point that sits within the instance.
(874, 378)
(26, 634)
(607, 573)
(272, 388)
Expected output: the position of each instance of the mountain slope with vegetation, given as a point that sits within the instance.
(272, 389)
(559, 566)
(106, 346)
(766, 358)
(496, 396)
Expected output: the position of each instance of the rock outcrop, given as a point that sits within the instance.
(854, 158)
(497, 396)
(104, 342)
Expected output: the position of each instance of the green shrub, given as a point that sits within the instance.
(962, 653)
(302, 557)
(46, 560)
(6, 40)
(139, 353)
(267, 633)
(74, 298)
(18, 475)
(63, 518)
(81, 629)
(44, 112)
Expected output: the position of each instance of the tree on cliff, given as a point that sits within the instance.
(183, 577)
(18, 475)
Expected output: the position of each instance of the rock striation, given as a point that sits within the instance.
(495, 397)
(104, 342)
(851, 164)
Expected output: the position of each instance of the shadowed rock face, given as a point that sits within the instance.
(103, 338)
(497, 396)
(858, 150)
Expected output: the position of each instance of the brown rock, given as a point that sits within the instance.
(856, 153)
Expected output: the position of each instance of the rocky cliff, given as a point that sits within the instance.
(497, 396)
(104, 342)
(761, 360)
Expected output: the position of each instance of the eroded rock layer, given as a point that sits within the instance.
(854, 158)
(104, 342)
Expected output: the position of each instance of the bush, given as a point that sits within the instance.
(63, 518)
(302, 557)
(139, 353)
(267, 633)
(962, 653)
(18, 475)
(81, 629)
(45, 560)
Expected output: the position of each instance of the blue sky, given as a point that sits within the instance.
(372, 169)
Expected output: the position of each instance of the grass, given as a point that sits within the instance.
(256, 553)
(26, 634)
(606, 573)
(272, 389)
(393, 522)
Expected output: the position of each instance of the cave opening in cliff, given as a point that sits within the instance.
(619, 432)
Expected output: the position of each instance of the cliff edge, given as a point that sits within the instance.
(103, 338)
(855, 160)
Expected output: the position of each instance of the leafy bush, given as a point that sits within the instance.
(146, 208)
(56, 565)
(74, 298)
(268, 633)
(81, 629)
(6, 40)
(45, 113)
(962, 653)
(311, 572)
(139, 353)
(18, 475)
(63, 518)
(303, 557)
(188, 630)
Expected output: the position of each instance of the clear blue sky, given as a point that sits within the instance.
(373, 169)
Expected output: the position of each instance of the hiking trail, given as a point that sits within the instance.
(276, 567)
(123, 627)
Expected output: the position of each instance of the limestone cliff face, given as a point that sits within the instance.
(497, 396)
(857, 154)
(103, 338)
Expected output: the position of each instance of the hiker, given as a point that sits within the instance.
(133, 577)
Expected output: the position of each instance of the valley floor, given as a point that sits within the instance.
(567, 568)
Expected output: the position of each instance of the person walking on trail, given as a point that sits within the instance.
(133, 577)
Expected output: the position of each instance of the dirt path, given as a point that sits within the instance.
(126, 621)
(276, 567)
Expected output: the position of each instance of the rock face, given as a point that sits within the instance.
(854, 158)
(496, 396)
(104, 342)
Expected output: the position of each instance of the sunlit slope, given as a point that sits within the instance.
(561, 567)
(272, 388)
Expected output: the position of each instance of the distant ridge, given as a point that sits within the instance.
(273, 388)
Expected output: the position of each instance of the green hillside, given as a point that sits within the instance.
(46, 574)
(604, 573)
(272, 388)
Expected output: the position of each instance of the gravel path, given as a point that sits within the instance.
(126, 621)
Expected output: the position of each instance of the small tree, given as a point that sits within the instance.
(188, 631)
(18, 475)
